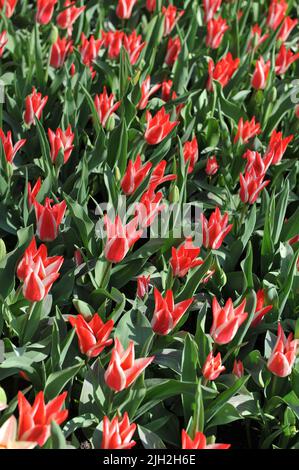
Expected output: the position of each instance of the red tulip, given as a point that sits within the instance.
(257, 36)
(215, 230)
(133, 45)
(33, 192)
(191, 154)
(166, 90)
(287, 27)
(184, 258)
(158, 127)
(135, 174)
(222, 71)
(171, 18)
(284, 59)
(226, 320)
(112, 40)
(147, 209)
(212, 166)
(216, 29)
(173, 50)
(143, 283)
(283, 356)
(93, 336)
(124, 8)
(210, 8)
(10, 150)
(147, 92)
(120, 238)
(105, 106)
(9, 5)
(89, 49)
(150, 5)
(69, 15)
(255, 161)
(59, 51)
(167, 315)
(247, 130)
(61, 141)
(35, 421)
(34, 104)
(117, 433)
(276, 14)
(212, 367)
(260, 75)
(261, 309)
(9, 435)
(45, 10)
(123, 368)
(3, 42)
(251, 185)
(277, 146)
(48, 219)
(238, 369)
(158, 178)
(199, 442)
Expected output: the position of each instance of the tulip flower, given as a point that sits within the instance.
(210, 8)
(216, 29)
(238, 369)
(68, 16)
(89, 49)
(133, 45)
(45, 10)
(215, 229)
(191, 154)
(226, 320)
(105, 106)
(171, 18)
(150, 5)
(9, 436)
(287, 27)
(9, 5)
(93, 336)
(283, 356)
(34, 104)
(147, 209)
(173, 50)
(256, 162)
(123, 368)
(261, 309)
(146, 92)
(124, 8)
(166, 90)
(3, 42)
(59, 51)
(61, 141)
(257, 37)
(277, 146)
(113, 40)
(157, 176)
(284, 59)
(120, 238)
(35, 421)
(158, 127)
(10, 150)
(212, 367)
(247, 130)
(33, 192)
(199, 442)
(48, 219)
(167, 314)
(117, 433)
(222, 71)
(184, 258)
(134, 175)
(143, 283)
(212, 166)
(251, 185)
(276, 14)
(260, 75)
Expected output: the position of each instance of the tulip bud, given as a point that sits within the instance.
(174, 194)
(117, 174)
(2, 249)
(54, 35)
(273, 94)
(110, 123)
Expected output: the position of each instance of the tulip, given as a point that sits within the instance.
(112, 40)
(212, 166)
(256, 162)
(89, 49)
(150, 5)
(261, 309)
(222, 71)
(48, 219)
(33, 192)
(61, 141)
(199, 442)
(93, 336)
(105, 106)
(212, 367)
(191, 154)
(226, 320)
(69, 15)
(184, 258)
(45, 10)
(124, 8)
(251, 185)
(260, 75)
(216, 29)
(277, 146)
(10, 150)
(3, 42)
(117, 433)
(173, 50)
(238, 369)
(210, 8)
(167, 314)
(35, 421)
(284, 59)
(135, 174)
(120, 238)
(276, 14)
(247, 130)
(166, 90)
(9, 5)
(158, 127)
(287, 27)
(59, 51)
(158, 178)
(9, 436)
(147, 92)
(170, 18)
(133, 45)
(143, 283)
(34, 104)
(257, 36)
(147, 209)
(283, 356)
(123, 368)
(215, 230)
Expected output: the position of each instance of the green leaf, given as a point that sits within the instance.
(149, 439)
(58, 380)
(189, 366)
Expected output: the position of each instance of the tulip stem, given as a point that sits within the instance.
(110, 401)
(274, 386)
